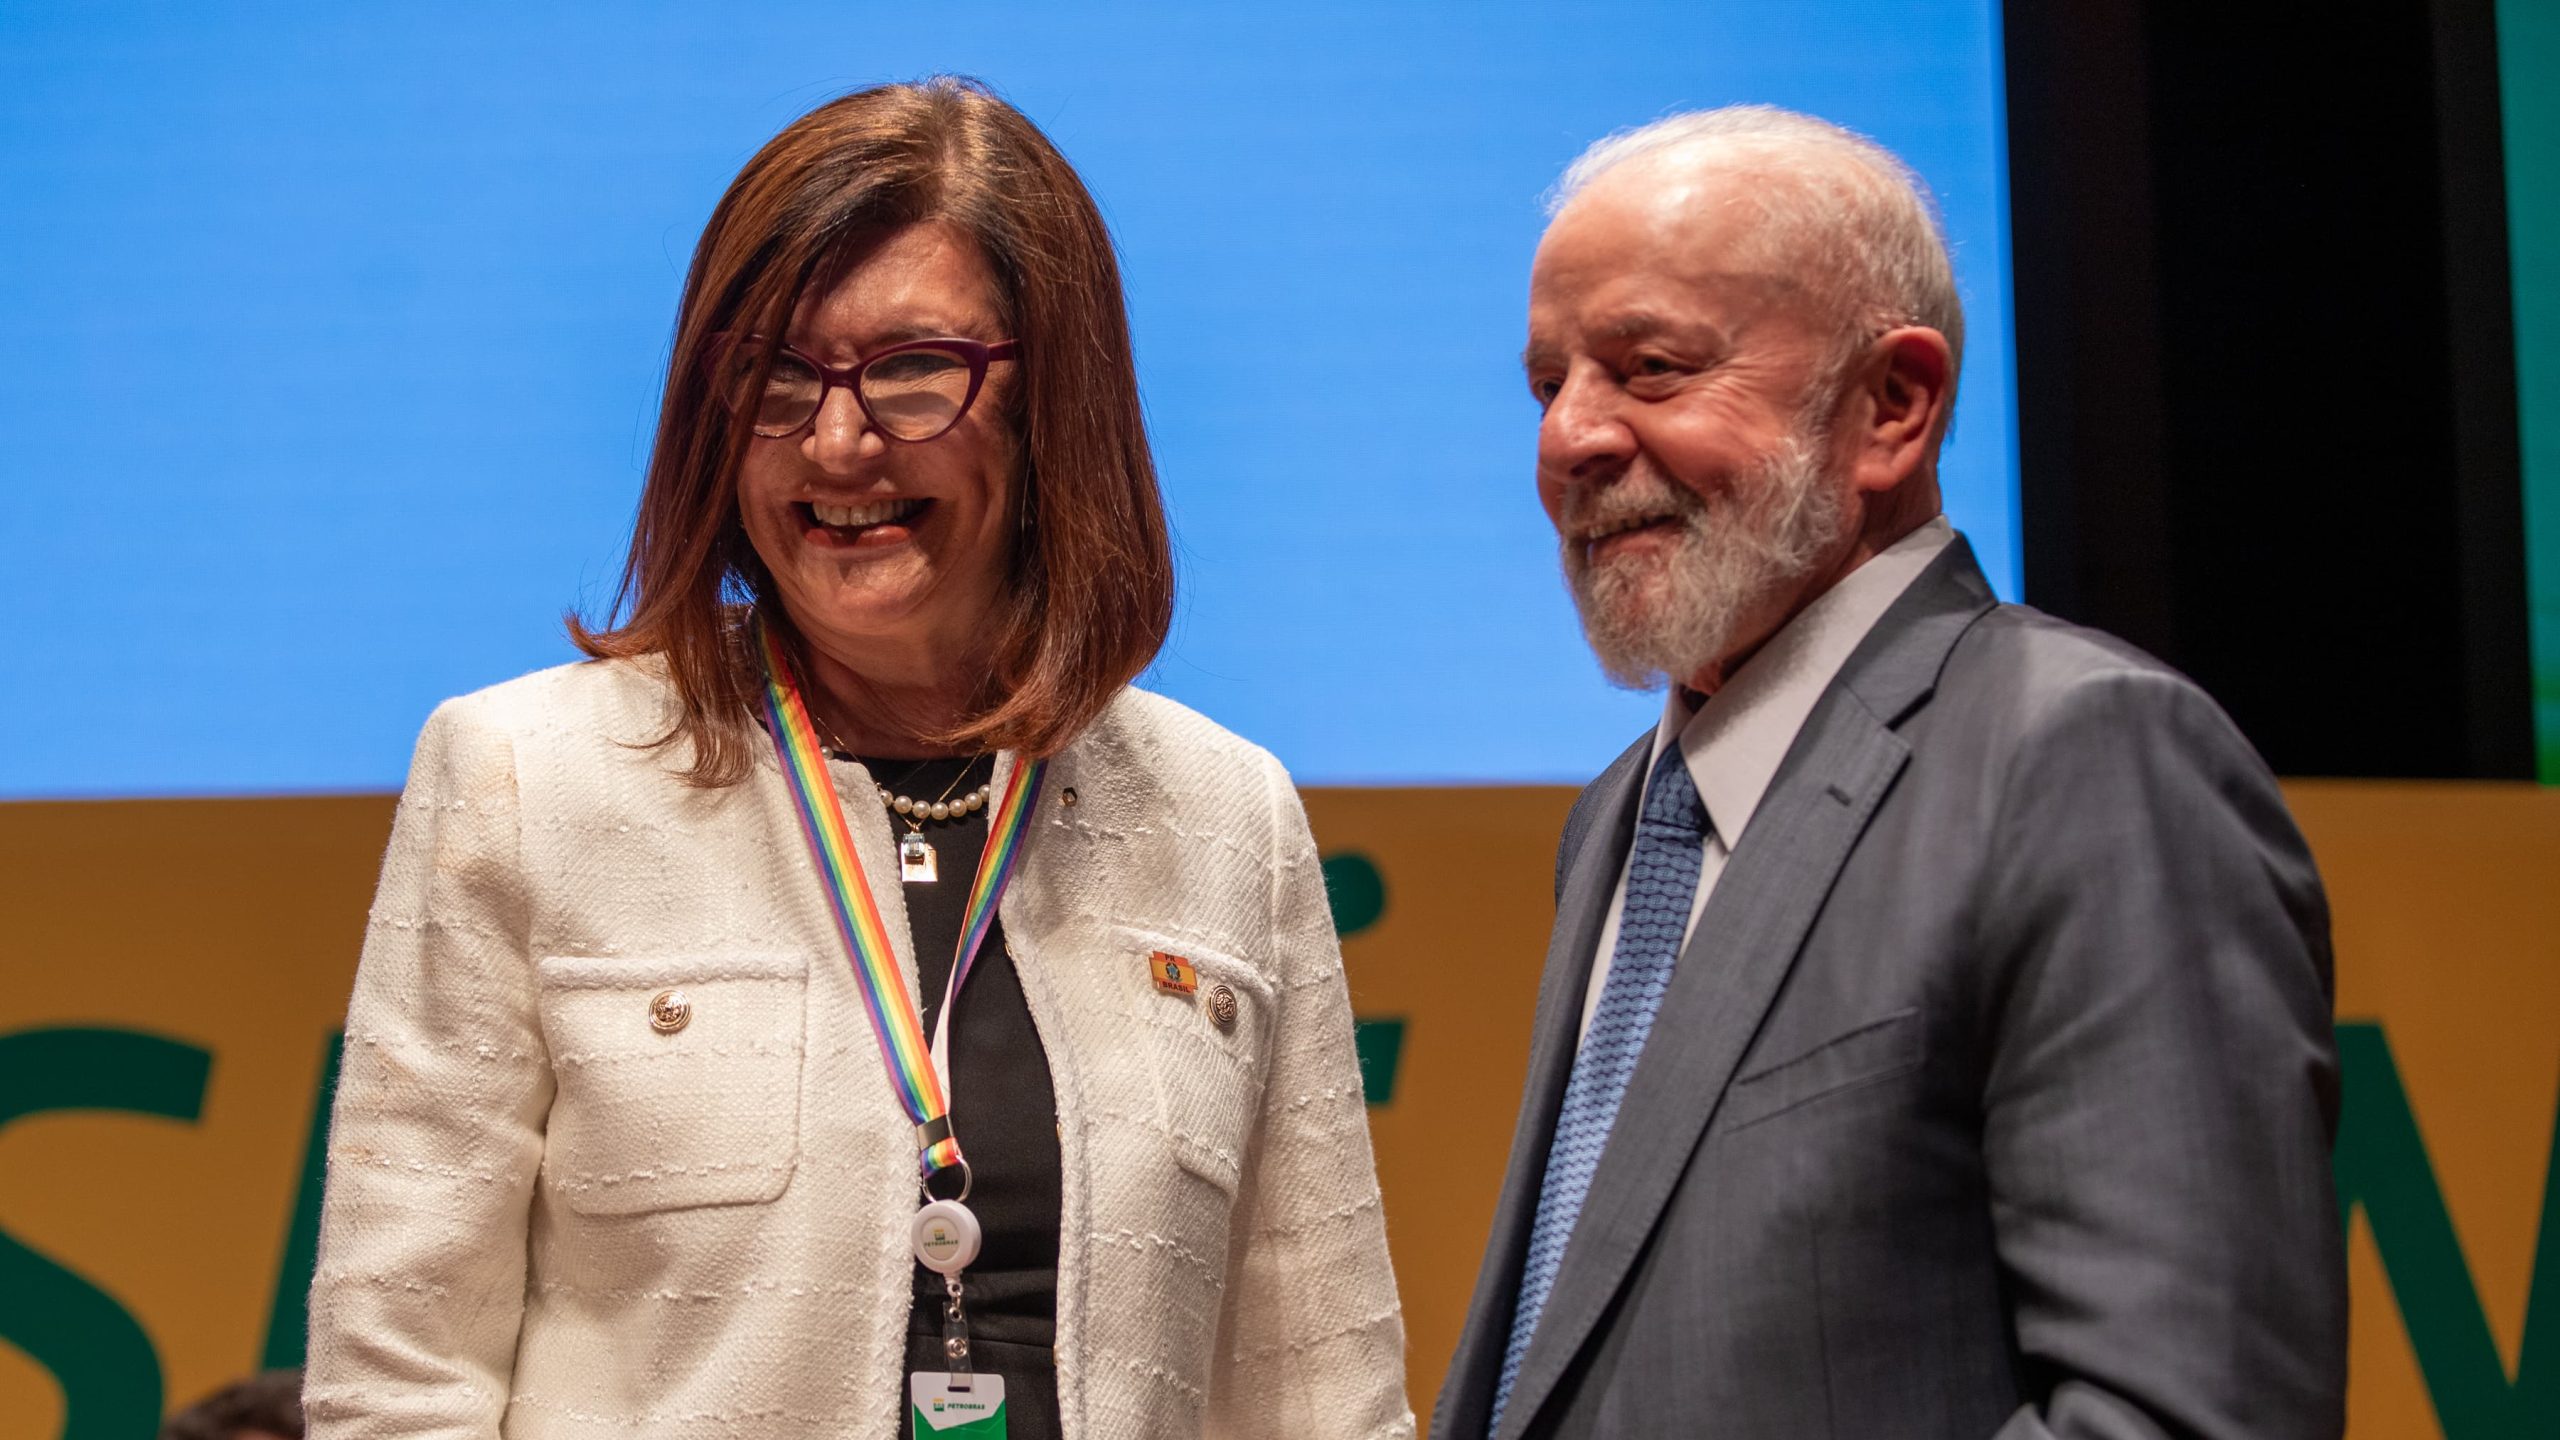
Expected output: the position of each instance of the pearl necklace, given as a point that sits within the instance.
(919, 811)
(941, 807)
(917, 862)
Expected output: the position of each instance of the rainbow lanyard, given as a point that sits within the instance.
(915, 1069)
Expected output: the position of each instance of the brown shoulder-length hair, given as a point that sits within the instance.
(1090, 588)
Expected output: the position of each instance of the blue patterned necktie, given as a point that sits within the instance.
(1662, 880)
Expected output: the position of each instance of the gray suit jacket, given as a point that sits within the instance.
(1992, 1095)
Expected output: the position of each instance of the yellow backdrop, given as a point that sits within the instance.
(175, 973)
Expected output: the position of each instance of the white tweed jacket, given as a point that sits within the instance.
(546, 1219)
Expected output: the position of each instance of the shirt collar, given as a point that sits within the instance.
(1734, 743)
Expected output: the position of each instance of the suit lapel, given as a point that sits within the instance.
(1835, 775)
(1590, 879)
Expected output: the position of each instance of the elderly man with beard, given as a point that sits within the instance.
(1935, 1038)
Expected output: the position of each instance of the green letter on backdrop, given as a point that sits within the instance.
(290, 1316)
(2382, 1165)
(110, 1375)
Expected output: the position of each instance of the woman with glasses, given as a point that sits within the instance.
(843, 1006)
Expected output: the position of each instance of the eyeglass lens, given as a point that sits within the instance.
(912, 394)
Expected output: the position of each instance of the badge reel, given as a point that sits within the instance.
(946, 1237)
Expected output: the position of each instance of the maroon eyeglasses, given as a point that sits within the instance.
(911, 391)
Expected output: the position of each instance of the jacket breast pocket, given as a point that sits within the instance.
(1212, 1053)
(677, 1079)
(1865, 1054)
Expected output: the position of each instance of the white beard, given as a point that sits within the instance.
(1657, 619)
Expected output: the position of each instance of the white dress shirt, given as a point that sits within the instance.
(1734, 743)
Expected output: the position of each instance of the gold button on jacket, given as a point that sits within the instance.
(669, 1011)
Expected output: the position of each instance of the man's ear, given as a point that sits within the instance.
(1902, 389)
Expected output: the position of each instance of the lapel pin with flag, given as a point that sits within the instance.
(1172, 973)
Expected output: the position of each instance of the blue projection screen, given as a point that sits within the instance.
(335, 334)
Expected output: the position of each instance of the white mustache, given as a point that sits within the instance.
(1589, 514)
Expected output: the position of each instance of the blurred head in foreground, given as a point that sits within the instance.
(262, 1407)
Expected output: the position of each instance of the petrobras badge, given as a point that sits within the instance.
(956, 1407)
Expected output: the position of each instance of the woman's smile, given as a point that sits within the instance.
(871, 525)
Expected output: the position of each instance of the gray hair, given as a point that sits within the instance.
(1842, 212)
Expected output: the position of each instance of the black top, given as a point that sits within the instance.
(1004, 1111)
